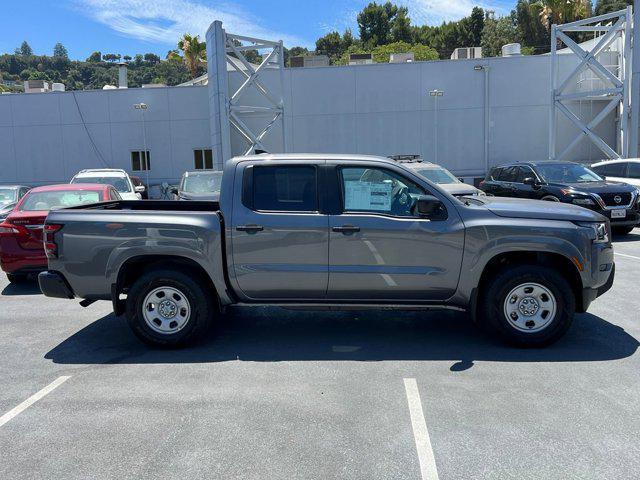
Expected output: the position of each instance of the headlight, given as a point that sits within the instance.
(599, 229)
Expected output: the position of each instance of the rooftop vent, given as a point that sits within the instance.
(511, 50)
(466, 53)
(402, 57)
(310, 61)
(360, 59)
(36, 86)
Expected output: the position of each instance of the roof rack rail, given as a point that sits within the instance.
(406, 158)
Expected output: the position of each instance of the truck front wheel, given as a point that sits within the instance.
(528, 305)
(167, 308)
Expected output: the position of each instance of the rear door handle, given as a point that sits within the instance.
(346, 229)
(250, 228)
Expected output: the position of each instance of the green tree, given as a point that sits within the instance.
(127, 58)
(476, 25)
(330, 45)
(496, 33)
(60, 51)
(152, 58)
(194, 52)
(382, 53)
(374, 23)
(609, 6)
(531, 31)
(111, 57)
(561, 11)
(25, 50)
(401, 27)
(95, 57)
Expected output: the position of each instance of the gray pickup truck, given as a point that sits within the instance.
(331, 232)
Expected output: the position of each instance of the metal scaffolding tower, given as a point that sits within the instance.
(229, 52)
(612, 85)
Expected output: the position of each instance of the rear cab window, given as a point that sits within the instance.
(282, 188)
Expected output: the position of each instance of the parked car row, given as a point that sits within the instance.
(568, 182)
(22, 250)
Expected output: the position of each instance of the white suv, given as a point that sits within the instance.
(627, 170)
(111, 176)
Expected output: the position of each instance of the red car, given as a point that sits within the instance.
(21, 234)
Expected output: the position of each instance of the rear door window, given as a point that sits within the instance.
(618, 169)
(285, 188)
(634, 170)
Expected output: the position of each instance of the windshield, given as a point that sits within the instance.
(120, 183)
(202, 182)
(567, 173)
(438, 175)
(44, 201)
(8, 195)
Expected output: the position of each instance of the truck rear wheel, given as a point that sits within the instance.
(528, 305)
(167, 308)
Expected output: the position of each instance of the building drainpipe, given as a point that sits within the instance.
(635, 84)
(487, 117)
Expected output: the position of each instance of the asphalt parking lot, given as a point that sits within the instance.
(276, 394)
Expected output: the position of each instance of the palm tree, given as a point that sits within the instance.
(560, 11)
(195, 52)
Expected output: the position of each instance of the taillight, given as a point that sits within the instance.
(8, 229)
(50, 245)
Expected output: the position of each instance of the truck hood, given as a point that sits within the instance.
(540, 209)
(459, 189)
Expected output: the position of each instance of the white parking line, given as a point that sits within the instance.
(627, 256)
(427, 461)
(32, 399)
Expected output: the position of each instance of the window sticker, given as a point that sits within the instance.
(368, 196)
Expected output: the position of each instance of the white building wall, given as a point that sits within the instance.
(47, 138)
(380, 109)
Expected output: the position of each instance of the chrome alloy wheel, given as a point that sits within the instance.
(166, 310)
(530, 307)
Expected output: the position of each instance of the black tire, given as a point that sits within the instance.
(622, 230)
(492, 305)
(16, 277)
(550, 198)
(200, 300)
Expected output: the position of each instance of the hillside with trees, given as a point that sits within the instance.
(383, 29)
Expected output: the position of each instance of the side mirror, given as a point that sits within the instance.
(139, 188)
(174, 190)
(428, 206)
(530, 181)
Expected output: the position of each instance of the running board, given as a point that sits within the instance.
(352, 306)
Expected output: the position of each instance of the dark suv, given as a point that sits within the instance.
(567, 182)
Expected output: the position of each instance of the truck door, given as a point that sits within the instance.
(378, 250)
(279, 237)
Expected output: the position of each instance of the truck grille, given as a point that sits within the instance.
(616, 199)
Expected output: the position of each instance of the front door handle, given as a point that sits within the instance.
(250, 228)
(346, 229)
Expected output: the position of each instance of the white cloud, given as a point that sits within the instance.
(434, 12)
(166, 21)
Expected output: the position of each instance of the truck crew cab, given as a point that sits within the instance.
(339, 231)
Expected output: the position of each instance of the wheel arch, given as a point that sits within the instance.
(136, 266)
(557, 261)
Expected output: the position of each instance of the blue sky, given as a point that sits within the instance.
(140, 26)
